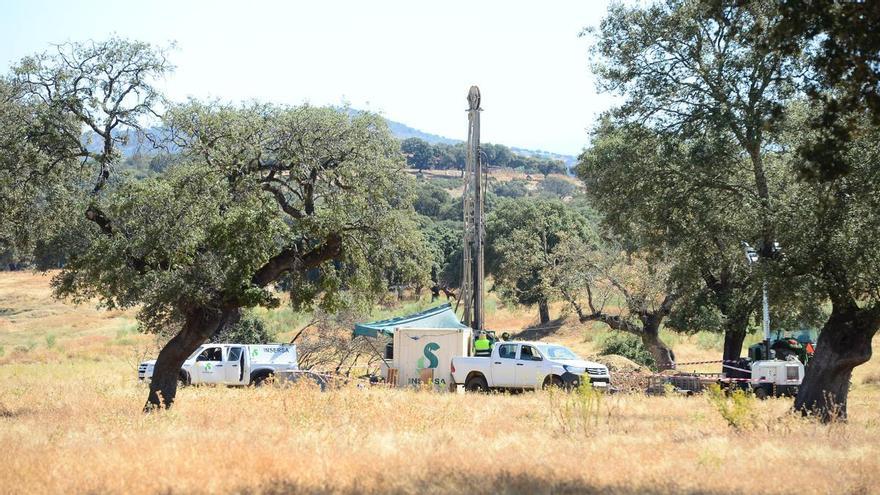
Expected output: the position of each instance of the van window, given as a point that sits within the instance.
(234, 354)
(507, 351)
(211, 354)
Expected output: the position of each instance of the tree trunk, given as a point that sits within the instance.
(844, 343)
(544, 312)
(733, 344)
(663, 355)
(199, 326)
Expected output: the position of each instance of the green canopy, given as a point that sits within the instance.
(439, 317)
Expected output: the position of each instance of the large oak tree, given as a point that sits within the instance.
(311, 196)
(313, 199)
(700, 70)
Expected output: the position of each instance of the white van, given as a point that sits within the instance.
(232, 364)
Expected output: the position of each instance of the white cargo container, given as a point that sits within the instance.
(419, 349)
(422, 346)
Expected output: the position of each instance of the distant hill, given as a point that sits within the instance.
(403, 131)
(138, 144)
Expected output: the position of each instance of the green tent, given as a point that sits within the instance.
(439, 317)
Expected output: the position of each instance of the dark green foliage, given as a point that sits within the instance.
(431, 199)
(628, 346)
(510, 189)
(419, 154)
(846, 61)
(551, 167)
(444, 242)
(522, 235)
(249, 329)
(688, 169)
(558, 187)
(213, 233)
(442, 156)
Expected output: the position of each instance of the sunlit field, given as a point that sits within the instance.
(71, 422)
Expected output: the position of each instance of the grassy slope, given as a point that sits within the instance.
(70, 422)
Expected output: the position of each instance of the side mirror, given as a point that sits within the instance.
(537, 358)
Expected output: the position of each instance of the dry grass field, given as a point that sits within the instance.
(70, 422)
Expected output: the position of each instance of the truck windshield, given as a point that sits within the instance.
(557, 352)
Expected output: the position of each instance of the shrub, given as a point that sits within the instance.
(50, 340)
(249, 329)
(628, 346)
(737, 408)
(577, 411)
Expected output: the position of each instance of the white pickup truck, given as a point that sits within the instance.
(527, 365)
(232, 364)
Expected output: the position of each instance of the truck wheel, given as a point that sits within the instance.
(262, 378)
(476, 384)
(553, 381)
(183, 379)
(761, 393)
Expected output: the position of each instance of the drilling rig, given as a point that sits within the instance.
(474, 232)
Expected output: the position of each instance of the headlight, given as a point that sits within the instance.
(575, 370)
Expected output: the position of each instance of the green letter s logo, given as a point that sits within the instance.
(432, 359)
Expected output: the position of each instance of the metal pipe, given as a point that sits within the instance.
(766, 311)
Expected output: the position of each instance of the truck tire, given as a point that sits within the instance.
(476, 383)
(183, 379)
(761, 393)
(260, 378)
(553, 381)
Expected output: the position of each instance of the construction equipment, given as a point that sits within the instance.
(474, 231)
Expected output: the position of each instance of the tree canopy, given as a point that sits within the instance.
(521, 238)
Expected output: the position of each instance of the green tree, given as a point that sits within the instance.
(40, 184)
(521, 238)
(248, 329)
(419, 154)
(845, 63)
(106, 86)
(593, 281)
(679, 199)
(830, 240)
(431, 199)
(444, 241)
(559, 187)
(547, 167)
(702, 75)
(309, 195)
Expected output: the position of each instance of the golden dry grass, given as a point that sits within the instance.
(73, 425)
(77, 428)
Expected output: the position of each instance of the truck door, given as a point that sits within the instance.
(209, 366)
(233, 368)
(529, 367)
(504, 366)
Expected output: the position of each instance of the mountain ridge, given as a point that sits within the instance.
(137, 144)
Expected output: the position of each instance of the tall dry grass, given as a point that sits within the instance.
(70, 422)
(77, 428)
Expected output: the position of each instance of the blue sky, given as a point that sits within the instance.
(412, 61)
